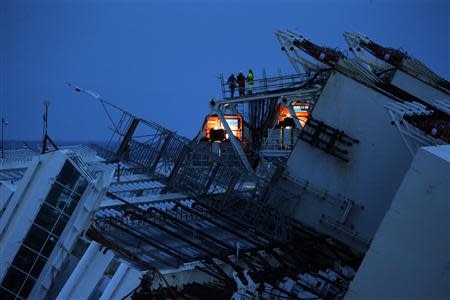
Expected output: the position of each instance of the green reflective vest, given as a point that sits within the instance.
(250, 78)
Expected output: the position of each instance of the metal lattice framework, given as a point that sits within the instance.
(191, 233)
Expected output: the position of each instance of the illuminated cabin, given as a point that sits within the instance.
(281, 139)
(301, 112)
(215, 132)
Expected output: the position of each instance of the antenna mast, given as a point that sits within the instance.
(45, 137)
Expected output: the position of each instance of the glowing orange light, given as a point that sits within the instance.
(234, 122)
(301, 112)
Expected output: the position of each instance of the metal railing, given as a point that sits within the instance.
(271, 84)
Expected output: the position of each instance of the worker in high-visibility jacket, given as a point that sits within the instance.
(250, 77)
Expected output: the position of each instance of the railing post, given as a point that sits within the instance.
(265, 79)
(283, 83)
(124, 147)
(222, 84)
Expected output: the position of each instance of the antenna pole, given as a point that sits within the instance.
(45, 137)
(46, 104)
(44, 127)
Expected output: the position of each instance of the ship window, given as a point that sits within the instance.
(38, 266)
(68, 175)
(24, 259)
(301, 108)
(52, 218)
(6, 295)
(35, 238)
(233, 123)
(72, 204)
(60, 225)
(60, 195)
(53, 195)
(14, 279)
(27, 287)
(80, 186)
(63, 199)
(49, 245)
(47, 217)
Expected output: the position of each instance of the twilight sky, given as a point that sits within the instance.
(160, 59)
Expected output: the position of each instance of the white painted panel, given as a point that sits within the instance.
(125, 280)
(376, 168)
(87, 273)
(410, 254)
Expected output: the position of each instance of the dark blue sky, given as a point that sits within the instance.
(160, 59)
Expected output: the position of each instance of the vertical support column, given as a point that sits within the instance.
(87, 273)
(125, 279)
(222, 85)
(124, 144)
(264, 79)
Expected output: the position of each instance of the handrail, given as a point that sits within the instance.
(266, 84)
